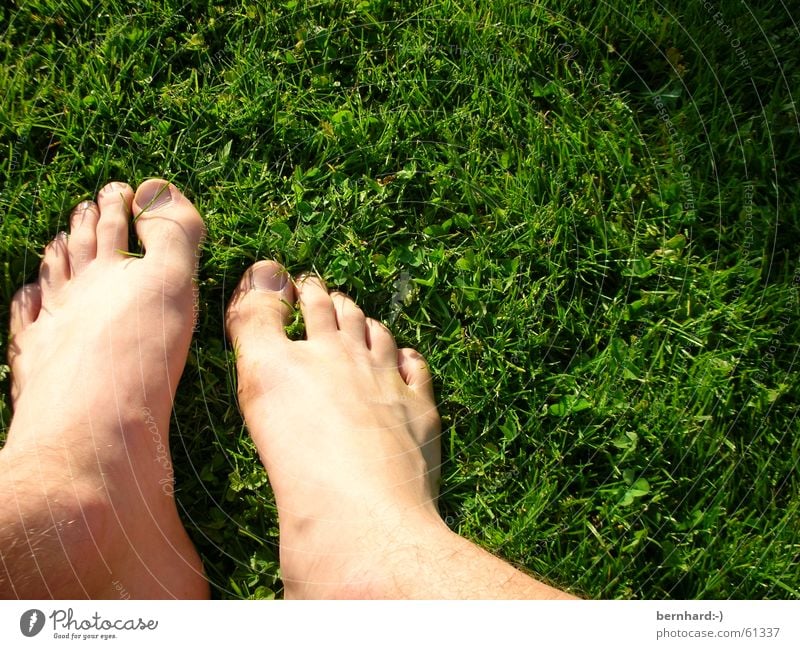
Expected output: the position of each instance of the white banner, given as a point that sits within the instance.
(406, 625)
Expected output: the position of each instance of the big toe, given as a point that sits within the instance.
(261, 306)
(167, 223)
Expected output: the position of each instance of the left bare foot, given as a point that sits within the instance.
(98, 345)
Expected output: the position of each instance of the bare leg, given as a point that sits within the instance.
(347, 428)
(98, 345)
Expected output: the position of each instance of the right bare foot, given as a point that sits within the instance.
(347, 428)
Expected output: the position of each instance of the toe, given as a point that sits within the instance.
(381, 343)
(54, 270)
(261, 305)
(25, 307)
(82, 244)
(426, 424)
(414, 370)
(319, 314)
(350, 318)
(114, 203)
(167, 223)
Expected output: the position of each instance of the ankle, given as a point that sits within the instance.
(66, 522)
(326, 560)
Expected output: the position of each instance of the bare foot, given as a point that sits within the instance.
(347, 428)
(98, 346)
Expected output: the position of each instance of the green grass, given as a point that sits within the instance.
(606, 290)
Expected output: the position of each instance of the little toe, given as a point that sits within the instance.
(316, 304)
(349, 318)
(261, 305)
(25, 307)
(114, 203)
(82, 244)
(414, 370)
(381, 344)
(54, 270)
(426, 425)
(167, 223)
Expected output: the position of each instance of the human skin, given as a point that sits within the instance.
(344, 422)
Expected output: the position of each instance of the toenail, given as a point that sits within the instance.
(113, 187)
(154, 195)
(304, 277)
(83, 206)
(269, 278)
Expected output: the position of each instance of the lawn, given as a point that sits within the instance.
(584, 215)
